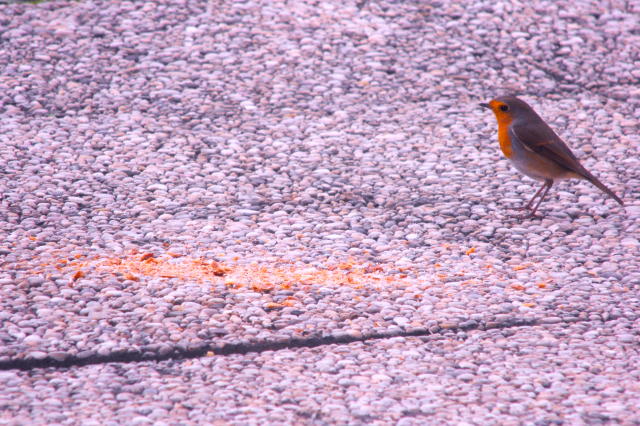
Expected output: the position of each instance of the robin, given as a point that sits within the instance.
(535, 150)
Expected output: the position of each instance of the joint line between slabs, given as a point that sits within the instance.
(205, 350)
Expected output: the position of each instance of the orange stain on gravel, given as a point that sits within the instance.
(257, 276)
(276, 274)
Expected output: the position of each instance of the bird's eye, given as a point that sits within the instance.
(504, 107)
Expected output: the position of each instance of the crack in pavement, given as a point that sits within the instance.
(210, 349)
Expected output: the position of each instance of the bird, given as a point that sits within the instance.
(536, 150)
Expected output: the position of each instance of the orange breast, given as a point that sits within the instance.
(503, 135)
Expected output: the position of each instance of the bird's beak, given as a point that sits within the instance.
(483, 105)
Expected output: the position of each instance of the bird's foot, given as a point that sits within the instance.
(526, 213)
(529, 215)
(523, 208)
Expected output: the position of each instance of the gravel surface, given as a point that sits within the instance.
(176, 176)
(545, 375)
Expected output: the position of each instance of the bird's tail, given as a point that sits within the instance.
(594, 180)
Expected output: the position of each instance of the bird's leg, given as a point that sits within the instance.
(546, 186)
(528, 205)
